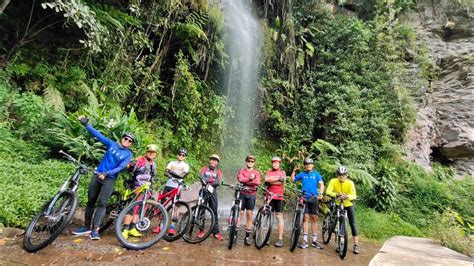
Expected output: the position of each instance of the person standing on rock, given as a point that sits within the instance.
(101, 186)
(212, 175)
(310, 179)
(275, 180)
(250, 178)
(344, 189)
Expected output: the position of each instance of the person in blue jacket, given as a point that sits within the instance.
(101, 186)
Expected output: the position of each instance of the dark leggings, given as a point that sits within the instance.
(213, 205)
(352, 220)
(99, 190)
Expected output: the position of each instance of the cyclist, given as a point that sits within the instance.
(143, 170)
(343, 189)
(275, 180)
(310, 179)
(174, 169)
(213, 176)
(250, 178)
(101, 186)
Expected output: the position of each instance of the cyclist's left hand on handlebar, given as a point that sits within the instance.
(320, 197)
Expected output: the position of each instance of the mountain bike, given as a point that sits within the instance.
(297, 222)
(176, 210)
(263, 222)
(151, 224)
(335, 222)
(202, 216)
(56, 213)
(233, 219)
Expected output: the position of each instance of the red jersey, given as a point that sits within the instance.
(243, 176)
(277, 189)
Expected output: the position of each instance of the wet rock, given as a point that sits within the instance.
(445, 104)
(9, 232)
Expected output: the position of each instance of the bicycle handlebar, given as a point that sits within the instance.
(238, 187)
(74, 160)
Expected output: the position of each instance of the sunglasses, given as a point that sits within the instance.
(128, 139)
(250, 161)
(182, 154)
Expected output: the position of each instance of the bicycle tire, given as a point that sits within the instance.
(111, 211)
(186, 219)
(155, 216)
(199, 223)
(233, 227)
(327, 229)
(295, 233)
(263, 229)
(67, 207)
(342, 239)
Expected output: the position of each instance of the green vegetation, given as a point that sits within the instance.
(330, 88)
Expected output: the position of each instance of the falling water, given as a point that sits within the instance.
(243, 44)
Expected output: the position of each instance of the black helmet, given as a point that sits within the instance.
(341, 170)
(183, 151)
(130, 136)
(308, 160)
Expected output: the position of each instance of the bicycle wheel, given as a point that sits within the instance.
(342, 239)
(263, 228)
(179, 219)
(202, 222)
(233, 227)
(327, 229)
(151, 225)
(295, 233)
(45, 228)
(111, 211)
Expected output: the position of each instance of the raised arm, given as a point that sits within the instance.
(104, 140)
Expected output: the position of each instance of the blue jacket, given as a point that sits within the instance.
(310, 183)
(116, 157)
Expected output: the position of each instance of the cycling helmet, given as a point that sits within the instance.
(183, 151)
(216, 157)
(308, 160)
(250, 157)
(152, 148)
(341, 170)
(130, 136)
(276, 159)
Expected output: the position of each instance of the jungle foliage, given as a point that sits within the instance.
(331, 87)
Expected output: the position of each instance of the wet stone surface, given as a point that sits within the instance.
(68, 249)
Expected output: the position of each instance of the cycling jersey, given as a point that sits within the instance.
(181, 168)
(143, 170)
(277, 188)
(310, 182)
(211, 176)
(347, 187)
(116, 157)
(244, 175)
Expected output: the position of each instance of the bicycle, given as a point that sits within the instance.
(176, 210)
(263, 222)
(335, 222)
(202, 216)
(233, 219)
(56, 213)
(151, 215)
(297, 222)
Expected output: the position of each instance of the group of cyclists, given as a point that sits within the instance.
(118, 157)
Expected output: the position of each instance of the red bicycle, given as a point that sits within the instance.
(177, 209)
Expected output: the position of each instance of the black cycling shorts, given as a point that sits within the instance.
(277, 205)
(312, 206)
(248, 202)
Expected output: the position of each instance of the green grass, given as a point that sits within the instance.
(382, 226)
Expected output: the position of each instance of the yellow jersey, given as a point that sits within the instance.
(347, 187)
